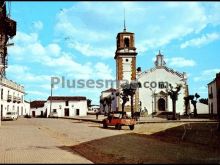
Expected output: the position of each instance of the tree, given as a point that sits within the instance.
(109, 100)
(204, 101)
(103, 103)
(89, 102)
(194, 104)
(129, 89)
(186, 102)
(174, 96)
(124, 98)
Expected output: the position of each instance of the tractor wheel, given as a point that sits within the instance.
(131, 127)
(118, 126)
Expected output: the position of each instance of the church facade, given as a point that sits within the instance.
(153, 95)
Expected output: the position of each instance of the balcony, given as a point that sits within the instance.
(211, 96)
(14, 99)
(9, 98)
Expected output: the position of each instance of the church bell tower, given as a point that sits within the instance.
(125, 57)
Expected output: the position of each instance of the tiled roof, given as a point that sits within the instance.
(67, 98)
(110, 90)
(37, 104)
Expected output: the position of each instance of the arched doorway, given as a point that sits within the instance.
(161, 104)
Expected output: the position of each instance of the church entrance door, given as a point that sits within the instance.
(161, 104)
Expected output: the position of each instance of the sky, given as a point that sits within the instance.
(77, 40)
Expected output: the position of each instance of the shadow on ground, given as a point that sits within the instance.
(187, 144)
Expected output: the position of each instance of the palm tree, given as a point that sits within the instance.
(174, 96)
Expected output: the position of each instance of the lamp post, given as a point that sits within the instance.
(51, 97)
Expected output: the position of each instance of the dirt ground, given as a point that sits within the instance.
(199, 144)
(39, 140)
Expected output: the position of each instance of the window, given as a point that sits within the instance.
(54, 110)
(126, 60)
(67, 103)
(126, 42)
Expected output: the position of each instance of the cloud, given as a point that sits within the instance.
(52, 61)
(207, 75)
(180, 62)
(51, 56)
(38, 25)
(88, 50)
(24, 74)
(94, 26)
(203, 40)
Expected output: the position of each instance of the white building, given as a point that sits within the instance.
(12, 98)
(63, 105)
(105, 94)
(214, 95)
(153, 94)
(38, 109)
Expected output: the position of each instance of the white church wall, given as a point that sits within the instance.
(152, 79)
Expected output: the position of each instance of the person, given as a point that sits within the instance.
(97, 115)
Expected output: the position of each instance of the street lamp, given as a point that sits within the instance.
(51, 97)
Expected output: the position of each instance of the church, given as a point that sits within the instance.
(152, 96)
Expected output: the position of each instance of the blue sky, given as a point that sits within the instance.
(78, 40)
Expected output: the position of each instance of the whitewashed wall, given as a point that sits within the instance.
(37, 111)
(8, 87)
(160, 75)
(73, 106)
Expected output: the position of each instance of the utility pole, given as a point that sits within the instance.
(51, 97)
